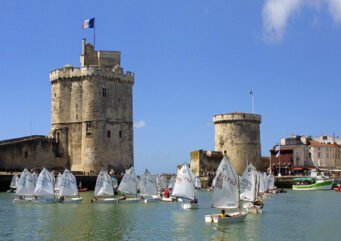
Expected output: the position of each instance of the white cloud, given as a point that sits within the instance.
(276, 14)
(139, 124)
(275, 17)
(335, 10)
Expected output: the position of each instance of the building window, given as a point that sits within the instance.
(88, 128)
(76, 117)
(118, 100)
(26, 154)
(120, 134)
(108, 134)
(76, 106)
(318, 155)
(104, 92)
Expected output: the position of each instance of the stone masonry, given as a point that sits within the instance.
(238, 135)
(92, 112)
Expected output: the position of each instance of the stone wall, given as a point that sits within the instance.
(29, 152)
(238, 135)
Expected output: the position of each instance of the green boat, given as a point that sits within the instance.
(312, 183)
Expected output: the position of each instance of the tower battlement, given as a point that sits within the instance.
(237, 116)
(79, 73)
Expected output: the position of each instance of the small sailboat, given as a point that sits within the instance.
(44, 190)
(57, 183)
(184, 188)
(226, 195)
(148, 188)
(14, 183)
(25, 187)
(197, 182)
(68, 191)
(104, 192)
(249, 190)
(128, 185)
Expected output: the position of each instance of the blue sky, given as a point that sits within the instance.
(192, 59)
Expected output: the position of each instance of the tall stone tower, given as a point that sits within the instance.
(238, 135)
(92, 112)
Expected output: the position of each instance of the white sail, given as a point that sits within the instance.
(14, 181)
(26, 184)
(128, 183)
(68, 184)
(44, 184)
(171, 182)
(35, 177)
(248, 183)
(148, 185)
(163, 182)
(58, 180)
(271, 182)
(103, 185)
(184, 184)
(114, 182)
(197, 182)
(226, 188)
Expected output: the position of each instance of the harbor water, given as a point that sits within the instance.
(295, 215)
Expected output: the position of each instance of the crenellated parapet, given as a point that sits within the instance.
(106, 73)
(237, 116)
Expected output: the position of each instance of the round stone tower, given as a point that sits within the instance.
(238, 135)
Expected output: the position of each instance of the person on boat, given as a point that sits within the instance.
(94, 199)
(195, 200)
(166, 194)
(21, 197)
(223, 214)
(61, 199)
(123, 197)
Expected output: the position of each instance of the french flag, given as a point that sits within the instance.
(89, 23)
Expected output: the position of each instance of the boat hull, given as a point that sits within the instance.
(129, 200)
(235, 217)
(150, 200)
(323, 185)
(189, 205)
(168, 199)
(106, 200)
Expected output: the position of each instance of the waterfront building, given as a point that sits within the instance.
(299, 153)
(91, 115)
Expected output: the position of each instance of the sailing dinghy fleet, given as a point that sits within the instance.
(231, 193)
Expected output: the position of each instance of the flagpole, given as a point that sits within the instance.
(94, 37)
(252, 102)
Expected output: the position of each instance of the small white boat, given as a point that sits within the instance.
(233, 217)
(184, 188)
(128, 185)
(226, 195)
(68, 190)
(148, 188)
(14, 183)
(104, 192)
(249, 187)
(44, 190)
(25, 187)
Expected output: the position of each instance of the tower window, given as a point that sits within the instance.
(120, 134)
(104, 92)
(76, 117)
(118, 100)
(108, 134)
(26, 154)
(88, 128)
